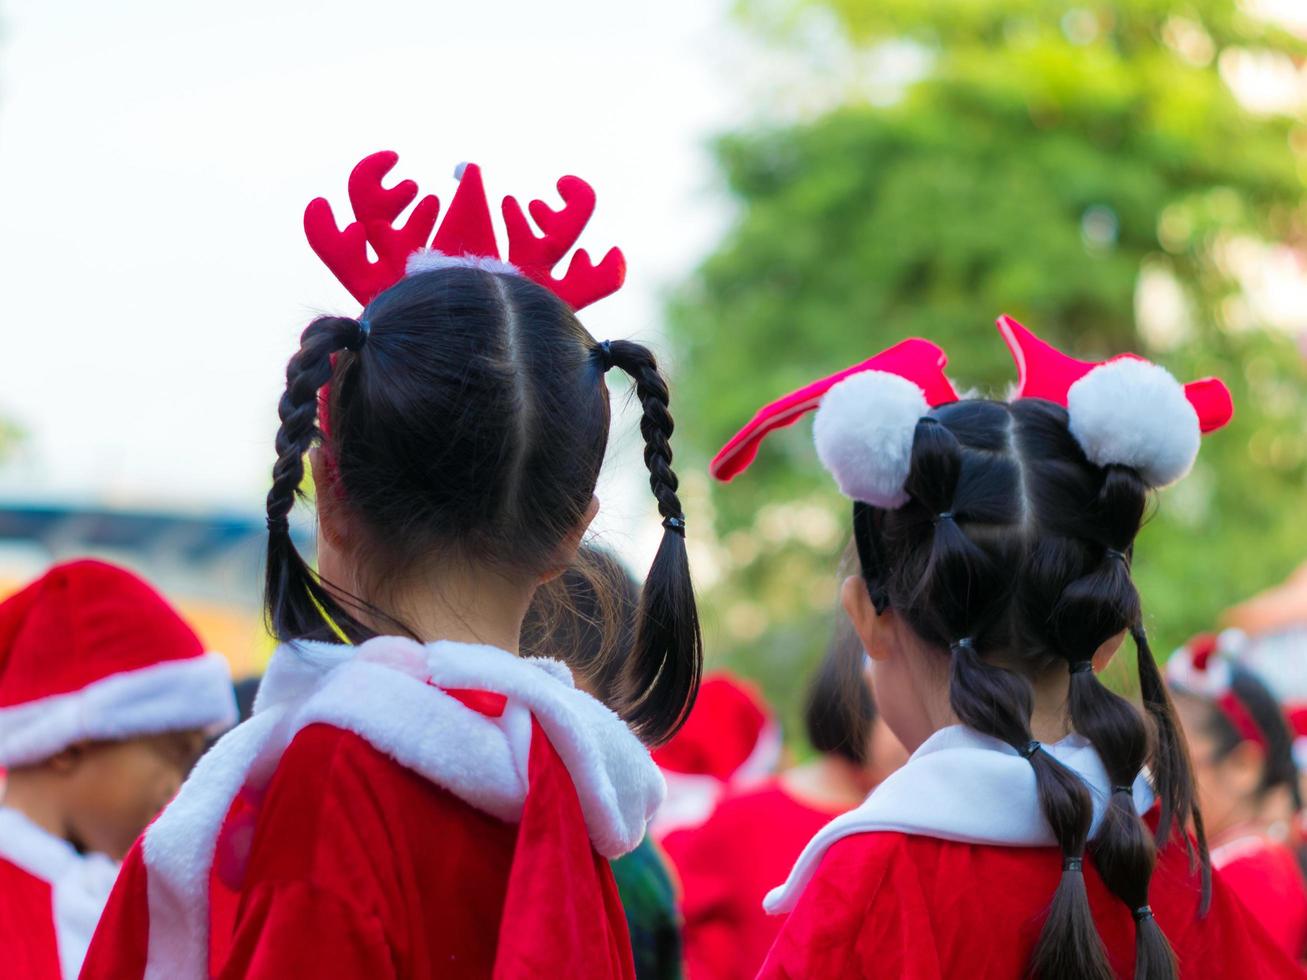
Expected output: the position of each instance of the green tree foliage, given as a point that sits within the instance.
(1048, 157)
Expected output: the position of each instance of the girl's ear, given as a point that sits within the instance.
(872, 627)
(331, 523)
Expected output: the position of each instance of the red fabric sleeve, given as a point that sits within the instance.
(121, 942)
(292, 929)
(28, 946)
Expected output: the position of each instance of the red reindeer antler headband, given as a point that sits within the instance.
(466, 236)
(1125, 411)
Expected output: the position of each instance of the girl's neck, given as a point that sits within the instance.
(466, 605)
(829, 782)
(31, 793)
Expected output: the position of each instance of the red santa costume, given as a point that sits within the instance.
(393, 810)
(947, 869)
(88, 652)
(729, 741)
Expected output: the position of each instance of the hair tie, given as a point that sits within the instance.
(278, 524)
(1115, 555)
(966, 643)
(1142, 913)
(1075, 864)
(1082, 667)
(676, 524)
(1127, 790)
(946, 515)
(604, 351)
(1030, 749)
(361, 335)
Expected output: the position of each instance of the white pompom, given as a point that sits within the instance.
(864, 430)
(1133, 413)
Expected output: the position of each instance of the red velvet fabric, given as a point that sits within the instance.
(1269, 882)
(919, 908)
(727, 865)
(28, 945)
(358, 867)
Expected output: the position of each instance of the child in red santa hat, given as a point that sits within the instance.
(749, 843)
(106, 698)
(1036, 828)
(411, 797)
(1247, 781)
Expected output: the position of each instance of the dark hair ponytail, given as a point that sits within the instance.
(668, 644)
(294, 597)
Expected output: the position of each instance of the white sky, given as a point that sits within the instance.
(156, 157)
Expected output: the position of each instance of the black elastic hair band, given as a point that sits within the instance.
(1082, 666)
(944, 515)
(1116, 555)
(604, 351)
(676, 524)
(361, 337)
(278, 524)
(966, 643)
(1075, 864)
(1127, 790)
(1142, 913)
(1030, 749)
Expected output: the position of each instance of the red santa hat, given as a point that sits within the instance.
(89, 651)
(730, 737)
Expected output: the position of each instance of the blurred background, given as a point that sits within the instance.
(796, 183)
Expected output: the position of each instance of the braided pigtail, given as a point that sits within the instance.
(294, 597)
(664, 675)
(962, 584)
(1092, 609)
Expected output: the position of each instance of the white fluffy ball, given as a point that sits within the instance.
(1135, 414)
(864, 430)
(429, 259)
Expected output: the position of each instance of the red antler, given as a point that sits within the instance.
(584, 282)
(344, 251)
(918, 361)
(1045, 372)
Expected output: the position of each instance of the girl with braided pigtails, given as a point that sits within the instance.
(1042, 824)
(411, 797)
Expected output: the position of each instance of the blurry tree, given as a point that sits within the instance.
(1046, 160)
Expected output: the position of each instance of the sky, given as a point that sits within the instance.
(156, 157)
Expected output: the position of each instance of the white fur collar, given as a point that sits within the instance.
(388, 691)
(79, 884)
(960, 785)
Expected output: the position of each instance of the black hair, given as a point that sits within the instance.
(586, 618)
(1278, 766)
(839, 711)
(467, 422)
(1013, 553)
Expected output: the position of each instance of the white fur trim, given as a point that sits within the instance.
(1133, 413)
(960, 786)
(389, 692)
(167, 696)
(430, 259)
(79, 884)
(1212, 682)
(864, 430)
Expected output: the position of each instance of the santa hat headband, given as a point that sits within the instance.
(1125, 411)
(465, 237)
(90, 652)
(1201, 668)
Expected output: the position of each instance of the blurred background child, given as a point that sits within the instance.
(1247, 782)
(106, 698)
(747, 846)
